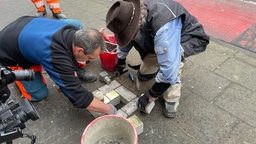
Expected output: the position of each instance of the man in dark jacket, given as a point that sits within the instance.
(163, 32)
(57, 46)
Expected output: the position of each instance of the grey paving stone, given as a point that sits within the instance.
(108, 87)
(246, 57)
(204, 83)
(242, 134)
(218, 45)
(203, 121)
(240, 102)
(171, 131)
(210, 59)
(114, 84)
(120, 112)
(98, 94)
(238, 72)
(126, 95)
(105, 89)
(130, 107)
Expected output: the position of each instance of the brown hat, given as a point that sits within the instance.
(123, 19)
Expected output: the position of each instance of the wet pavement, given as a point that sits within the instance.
(218, 94)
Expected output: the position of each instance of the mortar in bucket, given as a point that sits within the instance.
(110, 129)
(109, 57)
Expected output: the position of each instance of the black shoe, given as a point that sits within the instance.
(146, 77)
(86, 76)
(170, 109)
(40, 13)
(121, 69)
(59, 15)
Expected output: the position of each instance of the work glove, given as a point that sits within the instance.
(113, 111)
(121, 66)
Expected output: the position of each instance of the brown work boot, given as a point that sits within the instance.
(59, 15)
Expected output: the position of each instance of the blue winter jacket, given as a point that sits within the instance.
(32, 41)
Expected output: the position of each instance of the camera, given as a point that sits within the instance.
(13, 114)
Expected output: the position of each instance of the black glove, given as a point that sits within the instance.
(121, 66)
(143, 103)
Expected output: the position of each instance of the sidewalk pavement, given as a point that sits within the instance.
(218, 94)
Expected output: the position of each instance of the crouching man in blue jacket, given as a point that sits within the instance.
(57, 47)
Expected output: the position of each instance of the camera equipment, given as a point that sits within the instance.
(12, 114)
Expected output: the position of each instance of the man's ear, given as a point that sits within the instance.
(79, 49)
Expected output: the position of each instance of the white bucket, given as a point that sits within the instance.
(110, 129)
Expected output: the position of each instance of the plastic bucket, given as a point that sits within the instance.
(110, 129)
(109, 58)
